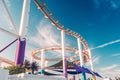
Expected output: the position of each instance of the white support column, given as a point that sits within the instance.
(42, 61)
(31, 60)
(24, 19)
(0, 64)
(80, 52)
(90, 60)
(81, 58)
(63, 53)
(91, 64)
(63, 43)
(46, 63)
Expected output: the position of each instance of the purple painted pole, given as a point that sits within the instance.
(20, 52)
(22, 33)
(63, 54)
(65, 68)
(73, 77)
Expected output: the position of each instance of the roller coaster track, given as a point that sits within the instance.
(6, 61)
(49, 15)
(86, 56)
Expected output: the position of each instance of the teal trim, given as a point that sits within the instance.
(83, 76)
(42, 71)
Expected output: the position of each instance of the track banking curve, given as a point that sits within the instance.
(59, 48)
(49, 15)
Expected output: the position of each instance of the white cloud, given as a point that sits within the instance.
(28, 52)
(3, 18)
(108, 68)
(95, 60)
(46, 35)
(8, 3)
(4, 21)
(113, 5)
(109, 71)
(106, 44)
(116, 55)
(110, 74)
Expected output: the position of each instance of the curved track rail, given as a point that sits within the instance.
(49, 15)
(6, 61)
(86, 56)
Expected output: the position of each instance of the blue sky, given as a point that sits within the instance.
(96, 20)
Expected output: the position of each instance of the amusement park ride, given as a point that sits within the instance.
(83, 50)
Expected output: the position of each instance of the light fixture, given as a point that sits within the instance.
(38, 7)
(66, 29)
(70, 32)
(52, 23)
(73, 33)
(46, 16)
(62, 26)
(58, 28)
(76, 34)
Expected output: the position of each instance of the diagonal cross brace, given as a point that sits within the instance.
(8, 45)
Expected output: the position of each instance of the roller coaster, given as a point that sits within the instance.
(84, 53)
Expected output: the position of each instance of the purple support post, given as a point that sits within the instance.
(63, 53)
(73, 77)
(65, 68)
(20, 52)
(22, 33)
